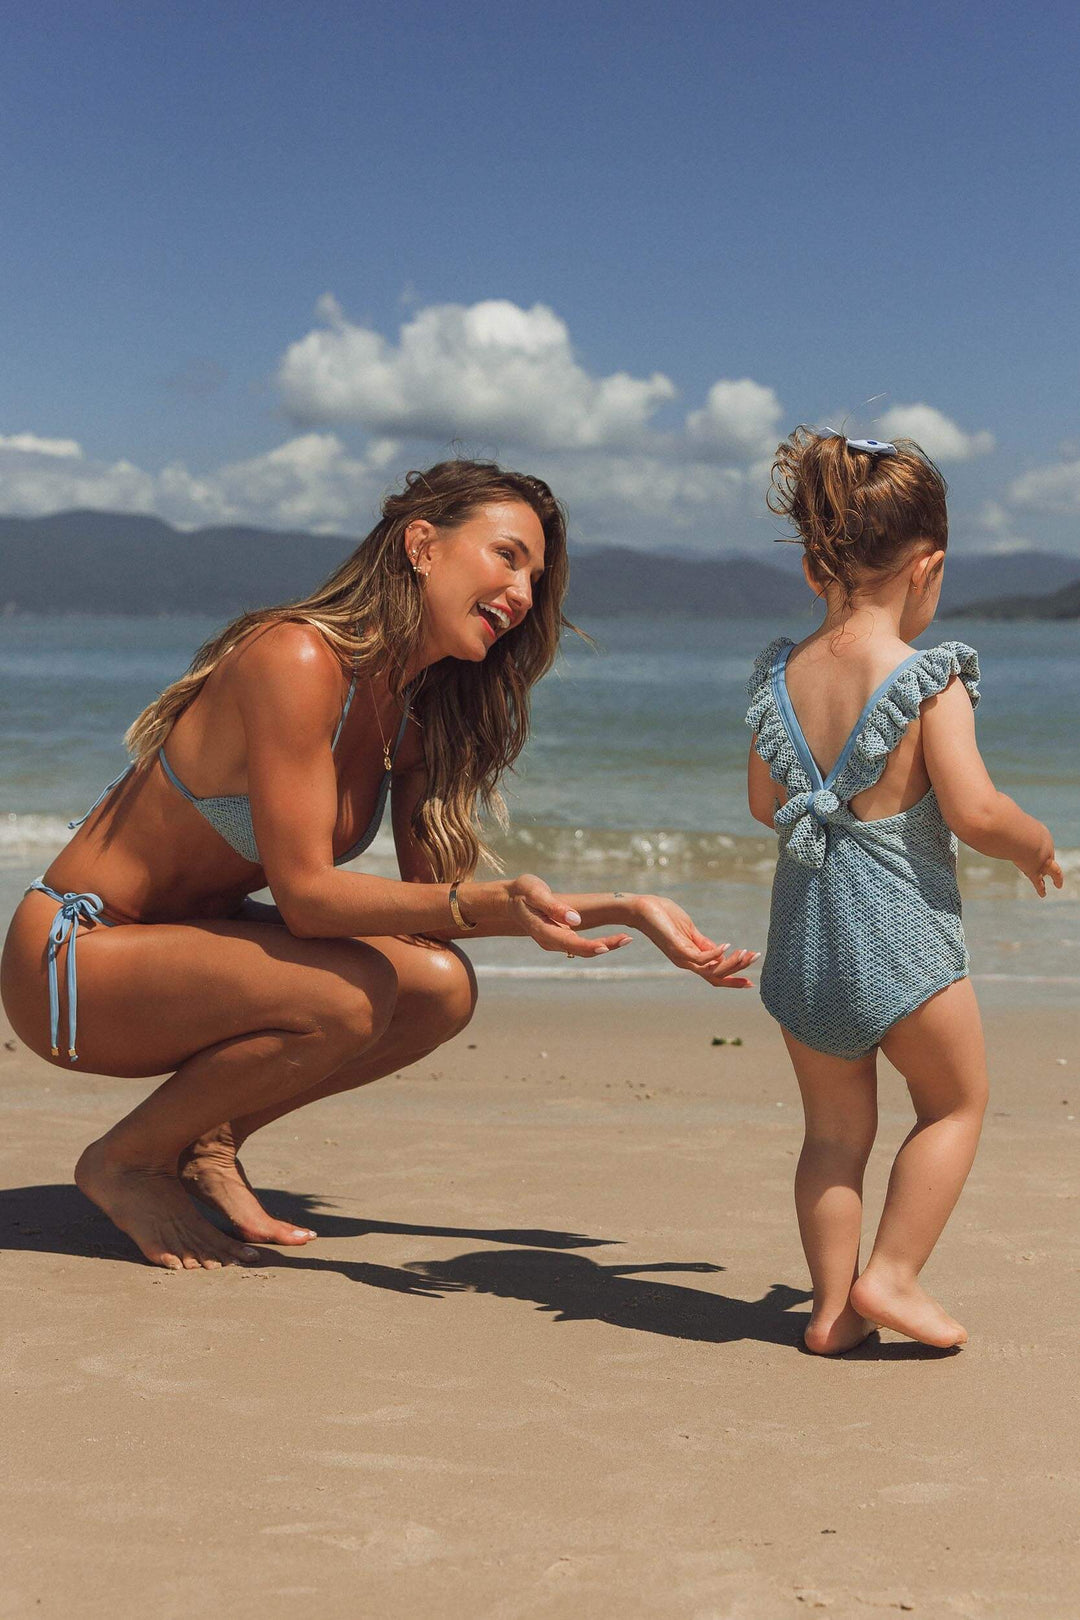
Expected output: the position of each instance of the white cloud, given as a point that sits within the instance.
(34, 480)
(312, 482)
(740, 421)
(937, 433)
(642, 498)
(1055, 488)
(32, 444)
(490, 370)
(996, 522)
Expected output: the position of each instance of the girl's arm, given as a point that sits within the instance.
(979, 815)
(765, 795)
(669, 928)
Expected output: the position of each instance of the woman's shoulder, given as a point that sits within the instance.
(288, 657)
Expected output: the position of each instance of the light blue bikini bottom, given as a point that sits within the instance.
(74, 909)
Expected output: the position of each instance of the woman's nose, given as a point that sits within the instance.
(520, 596)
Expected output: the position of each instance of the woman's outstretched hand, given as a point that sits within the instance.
(674, 932)
(552, 922)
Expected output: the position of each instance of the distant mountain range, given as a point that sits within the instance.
(112, 562)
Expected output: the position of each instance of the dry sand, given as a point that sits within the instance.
(542, 1361)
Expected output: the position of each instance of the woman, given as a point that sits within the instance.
(412, 665)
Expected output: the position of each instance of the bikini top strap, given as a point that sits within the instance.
(406, 710)
(344, 711)
(173, 778)
(101, 796)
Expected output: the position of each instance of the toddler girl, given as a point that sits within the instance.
(864, 760)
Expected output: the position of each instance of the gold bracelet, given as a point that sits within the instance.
(455, 909)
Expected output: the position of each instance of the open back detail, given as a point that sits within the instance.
(865, 921)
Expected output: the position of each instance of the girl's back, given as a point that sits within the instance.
(829, 680)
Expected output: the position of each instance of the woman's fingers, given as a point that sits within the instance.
(722, 971)
(552, 938)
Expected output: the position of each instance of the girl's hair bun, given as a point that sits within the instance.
(856, 511)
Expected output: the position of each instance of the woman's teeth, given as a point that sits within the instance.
(495, 617)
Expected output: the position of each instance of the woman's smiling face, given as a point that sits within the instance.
(478, 577)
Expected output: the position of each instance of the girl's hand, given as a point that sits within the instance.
(1043, 865)
(551, 921)
(674, 933)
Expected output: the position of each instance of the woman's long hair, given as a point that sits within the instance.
(474, 717)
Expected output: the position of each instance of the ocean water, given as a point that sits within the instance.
(634, 777)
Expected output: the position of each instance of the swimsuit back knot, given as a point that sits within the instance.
(805, 818)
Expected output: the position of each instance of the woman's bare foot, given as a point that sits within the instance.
(899, 1303)
(831, 1336)
(149, 1204)
(211, 1170)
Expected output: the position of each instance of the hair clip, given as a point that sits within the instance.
(872, 447)
(869, 447)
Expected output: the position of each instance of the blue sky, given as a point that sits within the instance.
(259, 257)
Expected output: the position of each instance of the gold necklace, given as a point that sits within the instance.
(388, 763)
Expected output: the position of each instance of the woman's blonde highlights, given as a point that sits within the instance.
(474, 718)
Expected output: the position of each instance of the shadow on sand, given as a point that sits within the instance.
(55, 1219)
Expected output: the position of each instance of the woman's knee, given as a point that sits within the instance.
(437, 993)
(359, 1004)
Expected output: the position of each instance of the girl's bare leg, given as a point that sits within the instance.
(940, 1052)
(840, 1109)
(435, 1000)
(243, 1013)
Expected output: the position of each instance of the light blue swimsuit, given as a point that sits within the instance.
(229, 814)
(865, 919)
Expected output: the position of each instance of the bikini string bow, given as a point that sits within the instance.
(804, 819)
(74, 909)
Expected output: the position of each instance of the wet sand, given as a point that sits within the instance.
(542, 1361)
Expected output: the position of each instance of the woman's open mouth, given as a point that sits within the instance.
(496, 618)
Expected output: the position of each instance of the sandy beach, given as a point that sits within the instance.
(542, 1360)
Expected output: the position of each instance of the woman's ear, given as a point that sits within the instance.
(417, 539)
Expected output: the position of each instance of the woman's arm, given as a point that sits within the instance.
(979, 815)
(287, 686)
(765, 796)
(664, 923)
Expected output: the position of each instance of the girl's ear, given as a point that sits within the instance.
(808, 575)
(926, 570)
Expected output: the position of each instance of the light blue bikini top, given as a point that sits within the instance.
(230, 813)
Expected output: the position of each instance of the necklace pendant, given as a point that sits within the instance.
(388, 763)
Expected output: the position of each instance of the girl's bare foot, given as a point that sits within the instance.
(899, 1303)
(211, 1170)
(831, 1336)
(149, 1204)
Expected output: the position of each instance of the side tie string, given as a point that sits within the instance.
(74, 909)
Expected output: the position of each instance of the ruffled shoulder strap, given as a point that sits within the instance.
(882, 728)
(761, 673)
(771, 739)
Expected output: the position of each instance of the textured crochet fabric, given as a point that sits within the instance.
(865, 918)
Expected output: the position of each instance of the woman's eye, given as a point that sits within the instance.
(509, 555)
